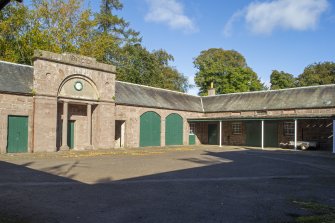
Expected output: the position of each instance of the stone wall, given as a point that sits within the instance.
(19, 105)
(131, 116)
(54, 78)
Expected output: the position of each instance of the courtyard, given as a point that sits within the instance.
(170, 184)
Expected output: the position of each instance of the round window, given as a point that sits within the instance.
(78, 86)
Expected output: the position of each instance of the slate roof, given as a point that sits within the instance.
(140, 95)
(16, 78)
(303, 97)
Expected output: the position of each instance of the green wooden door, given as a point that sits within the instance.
(254, 134)
(70, 134)
(174, 130)
(17, 140)
(212, 134)
(270, 134)
(191, 139)
(150, 129)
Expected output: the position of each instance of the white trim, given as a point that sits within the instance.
(220, 134)
(262, 143)
(295, 133)
(202, 105)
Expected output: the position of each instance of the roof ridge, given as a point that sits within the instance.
(157, 88)
(278, 90)
(16, 64)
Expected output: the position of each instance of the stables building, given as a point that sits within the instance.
(67, 101)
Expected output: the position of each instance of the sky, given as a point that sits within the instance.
(285, 35)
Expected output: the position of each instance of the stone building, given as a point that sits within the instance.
(66, 101)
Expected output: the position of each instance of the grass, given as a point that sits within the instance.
(320, 213)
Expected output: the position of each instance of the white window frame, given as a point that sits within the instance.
(236, 128)
(288, 128)
(192, 128)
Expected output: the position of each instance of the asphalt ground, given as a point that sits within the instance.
(177, 184)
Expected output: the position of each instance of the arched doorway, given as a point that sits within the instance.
(174, 130)
(150, 129)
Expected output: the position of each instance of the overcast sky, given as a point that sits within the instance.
(285, 35)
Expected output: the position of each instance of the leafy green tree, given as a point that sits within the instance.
(227, 69)
(13, 23)
(281, 80)
(112, 25)
(318, 74)
(137, 65)
(65, 26)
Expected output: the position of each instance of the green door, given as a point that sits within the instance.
(174, 130)
(150, 129)
(254, 134)
(70, 134)
(17, 140)
(212, 134)
(191, 139)
(270, 134)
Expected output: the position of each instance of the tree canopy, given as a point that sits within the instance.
(227, 69)
(280, 80)
(65, 26)
(317, 74)
(314, 74)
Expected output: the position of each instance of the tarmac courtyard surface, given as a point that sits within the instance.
(177, 184)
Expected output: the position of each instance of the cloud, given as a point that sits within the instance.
(170, 12)
(265, 17)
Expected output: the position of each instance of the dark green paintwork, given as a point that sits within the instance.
(150, 129)
(270, 134)
(174, 130)
(212, 134)
(253, 133)
(70, 134)
(17, 140)
(191, 139)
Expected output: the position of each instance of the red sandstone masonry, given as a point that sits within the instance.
(15, 105)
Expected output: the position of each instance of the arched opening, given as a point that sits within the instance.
(78, 87)
(174, 129)
(150, 129)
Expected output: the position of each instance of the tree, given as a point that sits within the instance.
(318, 74)
(138, 65)
(64, 26)
(281, 80)
(227, 69)
(111, 24)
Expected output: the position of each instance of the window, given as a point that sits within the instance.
(288, 128)
(236, 128)
(192, 128)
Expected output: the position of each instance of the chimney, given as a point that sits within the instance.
(211, 91)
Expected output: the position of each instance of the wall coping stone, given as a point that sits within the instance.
(74, 59)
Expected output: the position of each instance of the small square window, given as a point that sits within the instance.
(236, 128)
(192, 128)
(288, 128)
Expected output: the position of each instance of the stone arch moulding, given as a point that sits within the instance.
(151, 112)
(78, 87)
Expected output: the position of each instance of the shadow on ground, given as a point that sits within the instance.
(244, 186)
